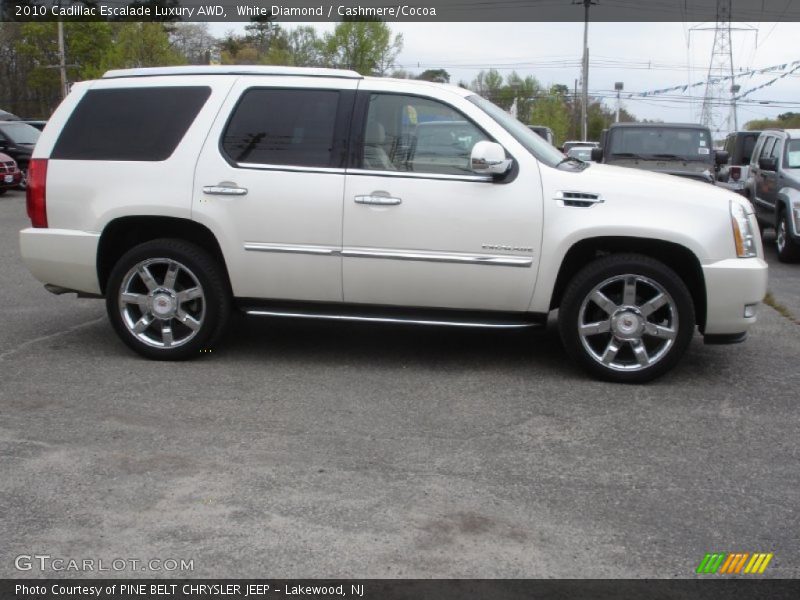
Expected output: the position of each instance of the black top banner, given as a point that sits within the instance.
(403, 10)
(399, 589)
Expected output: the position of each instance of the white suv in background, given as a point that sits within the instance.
(179, 193)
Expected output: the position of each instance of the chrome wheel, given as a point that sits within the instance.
(628, 323)
(161, 303)
(780, 236)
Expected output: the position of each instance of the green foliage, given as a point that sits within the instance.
(789, 120)
(364, 46)
(436, 75)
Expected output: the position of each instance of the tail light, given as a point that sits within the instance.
(736, 173)
(36, 195)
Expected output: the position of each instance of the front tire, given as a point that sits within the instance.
(788, 250)
(167, 299)
(626, 318)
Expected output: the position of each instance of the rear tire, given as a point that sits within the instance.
(626, 318)
(788, 250)
(167, 299)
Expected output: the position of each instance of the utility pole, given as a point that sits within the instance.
(619, 86)
(585, 78)
(62, 60)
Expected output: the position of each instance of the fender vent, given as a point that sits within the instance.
(577, 199)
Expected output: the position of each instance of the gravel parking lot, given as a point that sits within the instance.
(328, 450)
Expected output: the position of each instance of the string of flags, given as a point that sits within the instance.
(791, 66)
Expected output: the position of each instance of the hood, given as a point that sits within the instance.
(645, 185)
(696, 169)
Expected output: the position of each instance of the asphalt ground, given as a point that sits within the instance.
(337, 450)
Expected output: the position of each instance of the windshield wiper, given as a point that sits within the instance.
(670, 156)
(628, 155)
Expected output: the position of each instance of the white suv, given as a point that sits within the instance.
(179, 193)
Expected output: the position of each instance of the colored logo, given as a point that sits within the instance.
(735, 563)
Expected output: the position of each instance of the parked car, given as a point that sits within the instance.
(577, 144)
(37, 123)
(7, 116)
(17, 140)
(583, 153)
(679, 149)
(177, 193)
(774, 187)
(10, 175)
(733, 174)
(544, 132)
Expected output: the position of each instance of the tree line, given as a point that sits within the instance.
(30, 81)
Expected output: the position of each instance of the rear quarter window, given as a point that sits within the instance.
(130, 124)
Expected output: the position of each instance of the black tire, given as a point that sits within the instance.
(3, 191)
(658, 338)
(788, 249)
(194, 321)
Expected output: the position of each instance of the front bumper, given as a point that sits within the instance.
(731, 284)
(62, 257)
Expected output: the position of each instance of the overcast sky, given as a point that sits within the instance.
(644, 56)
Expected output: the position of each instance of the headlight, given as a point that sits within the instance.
(743, 235)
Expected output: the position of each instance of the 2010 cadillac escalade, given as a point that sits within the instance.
(179, 193)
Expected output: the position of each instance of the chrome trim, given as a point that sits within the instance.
(378, 200)
(222, 190)
(592, 198)
(411, 175)
(492, 260)
(295, 169)
(473, 259)
(292, 249)
(301, 315)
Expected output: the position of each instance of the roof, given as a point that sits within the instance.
(792, 133)
(662, 125)
(231, 70)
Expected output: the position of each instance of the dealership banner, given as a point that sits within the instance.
(396, 10)
(701, 588)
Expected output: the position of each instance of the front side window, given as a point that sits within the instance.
(417, 135)
(766, 149)
(283, 127)
(793, 154)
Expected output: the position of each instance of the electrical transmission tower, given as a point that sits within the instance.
(721, 65)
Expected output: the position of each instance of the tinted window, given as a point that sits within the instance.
(141, 124)
(408, 133)
(748, 144)
(283, 127)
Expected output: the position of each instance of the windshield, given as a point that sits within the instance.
(530, 140)
(661, 143)
(581, 152)
(20, 133)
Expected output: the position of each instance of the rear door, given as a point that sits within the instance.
(270, 182)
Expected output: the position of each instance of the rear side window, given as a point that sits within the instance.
(130, 124)
(283, 127)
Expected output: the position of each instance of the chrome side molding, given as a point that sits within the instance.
(396, 320)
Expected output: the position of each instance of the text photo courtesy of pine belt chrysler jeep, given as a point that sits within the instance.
(180, 193)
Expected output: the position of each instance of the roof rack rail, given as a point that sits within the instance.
(231, 70)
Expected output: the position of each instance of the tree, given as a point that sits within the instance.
(138, 44)
(193, 41)
(436, 75)
(553, 111)
(364, 46)
(488, 84)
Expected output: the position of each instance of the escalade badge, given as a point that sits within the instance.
(507, 248)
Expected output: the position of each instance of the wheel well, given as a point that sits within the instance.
(678, 258)
(122, 234)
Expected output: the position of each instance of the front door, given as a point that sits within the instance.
(420, 228)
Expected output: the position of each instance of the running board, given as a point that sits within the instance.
(417, 317)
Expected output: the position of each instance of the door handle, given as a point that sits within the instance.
(224, 189)
(378, 200)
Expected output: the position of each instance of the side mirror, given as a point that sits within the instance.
(768, 164)
(721, 157)
(597, 154)
(489, 158)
